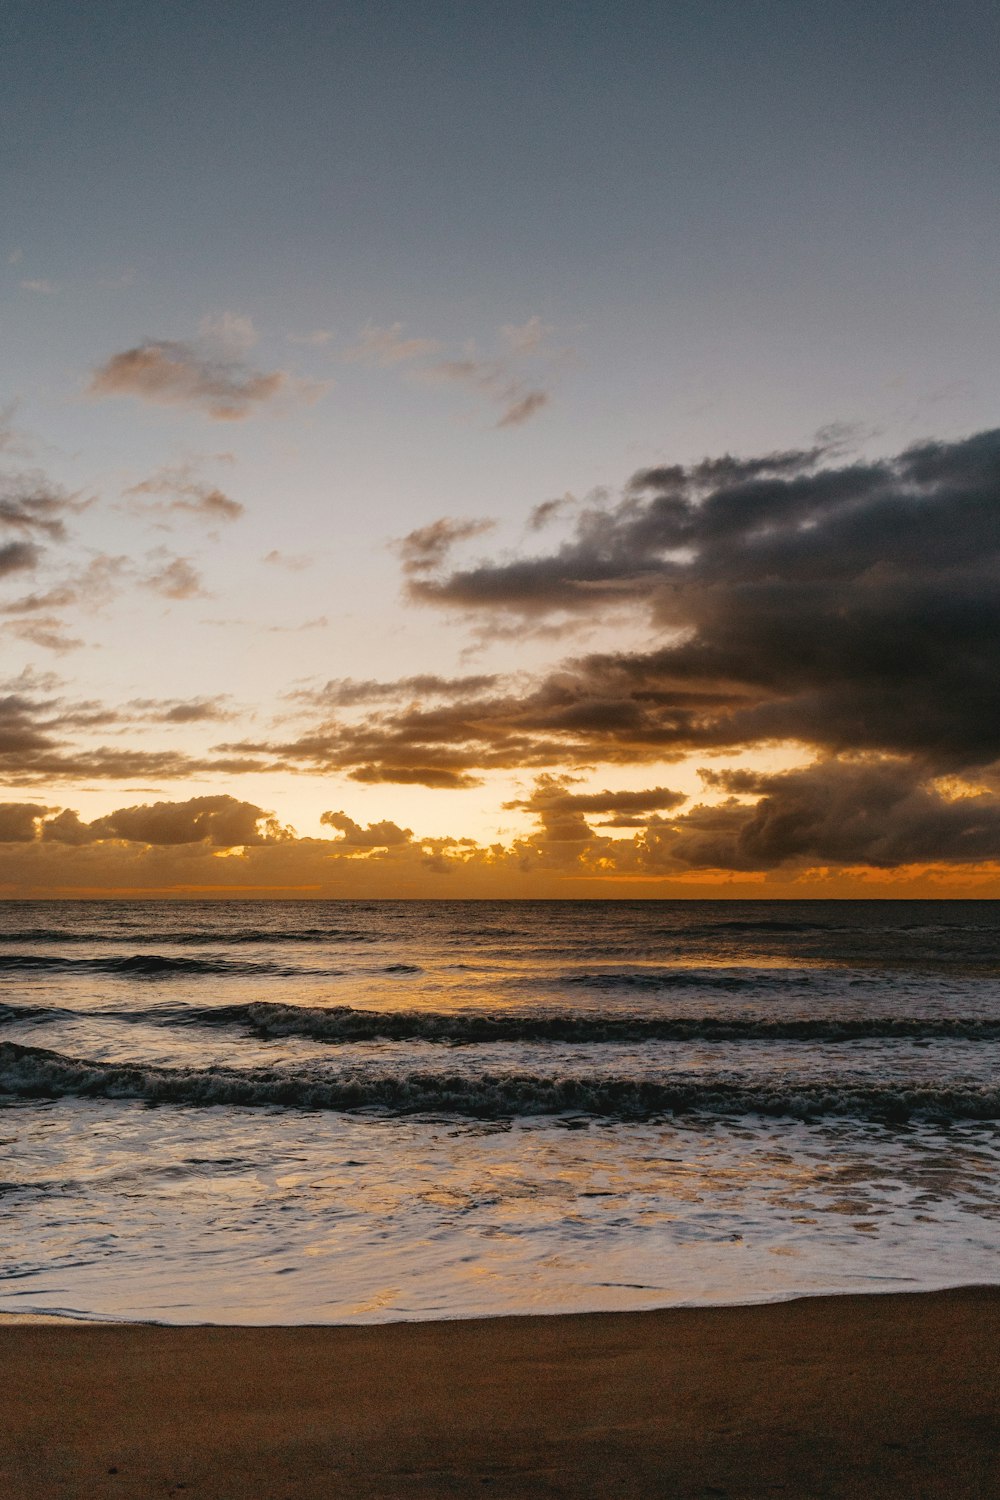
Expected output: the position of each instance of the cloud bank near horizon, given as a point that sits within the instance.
(846, 610)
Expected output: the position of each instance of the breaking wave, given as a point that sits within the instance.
(33, 1072)
(726, 979)
(346, 1024)
(236, 935)
(150, 964)
(343, 1023)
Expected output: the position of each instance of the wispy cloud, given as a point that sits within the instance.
(549, 510)
(31, 505)
(347, 692)
(388, 346)
(528, 337)
(209, 374)
(175, 578)
(295, 562)
(319, 622)
(47, 631)
(177, 490)
(318, 338)
(91, 586)
(427, 548)
(498, 380)
(179, 711)
(492, 379)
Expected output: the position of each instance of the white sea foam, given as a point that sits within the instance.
(363, 1110)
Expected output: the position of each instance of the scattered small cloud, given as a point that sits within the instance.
(523, 409)
(550, 510)
(346, 692)
(180, 710)
(387, 346)
(13, 441)
(176, 578)
(89, 588)
(295, 562)
(32, 506)
(320, 622)
(529, 337)
(41, 286)
(498, 381)
(427, 548)
(317, 339)
(492, 380)
(46, 631)
(208, 374)
(177, 491)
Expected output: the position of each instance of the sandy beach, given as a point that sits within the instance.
(894, 1395)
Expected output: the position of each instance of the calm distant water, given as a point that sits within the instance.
(333, 1112)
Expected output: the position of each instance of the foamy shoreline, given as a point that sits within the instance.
(75, 1317)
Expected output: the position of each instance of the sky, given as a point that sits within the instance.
(462, 450)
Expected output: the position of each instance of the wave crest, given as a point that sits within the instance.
(34, 1072)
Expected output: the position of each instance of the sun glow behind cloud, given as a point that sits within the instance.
(798, 700)
(317, 435)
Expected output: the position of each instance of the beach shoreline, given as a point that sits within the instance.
(887, 1394)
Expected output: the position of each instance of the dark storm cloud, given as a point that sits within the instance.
(551, 794)
(850, 607)
(562, 814)
(838, 812)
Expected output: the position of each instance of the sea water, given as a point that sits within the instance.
(355, 1111)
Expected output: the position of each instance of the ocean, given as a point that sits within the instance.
(337, 1112)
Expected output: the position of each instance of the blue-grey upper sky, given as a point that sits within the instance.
(281, 284)
(815, 182)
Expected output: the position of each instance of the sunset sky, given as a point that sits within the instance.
(453, 449)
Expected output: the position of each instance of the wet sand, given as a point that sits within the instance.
(840, 1396)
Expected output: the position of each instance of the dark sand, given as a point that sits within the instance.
(860, 1396)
